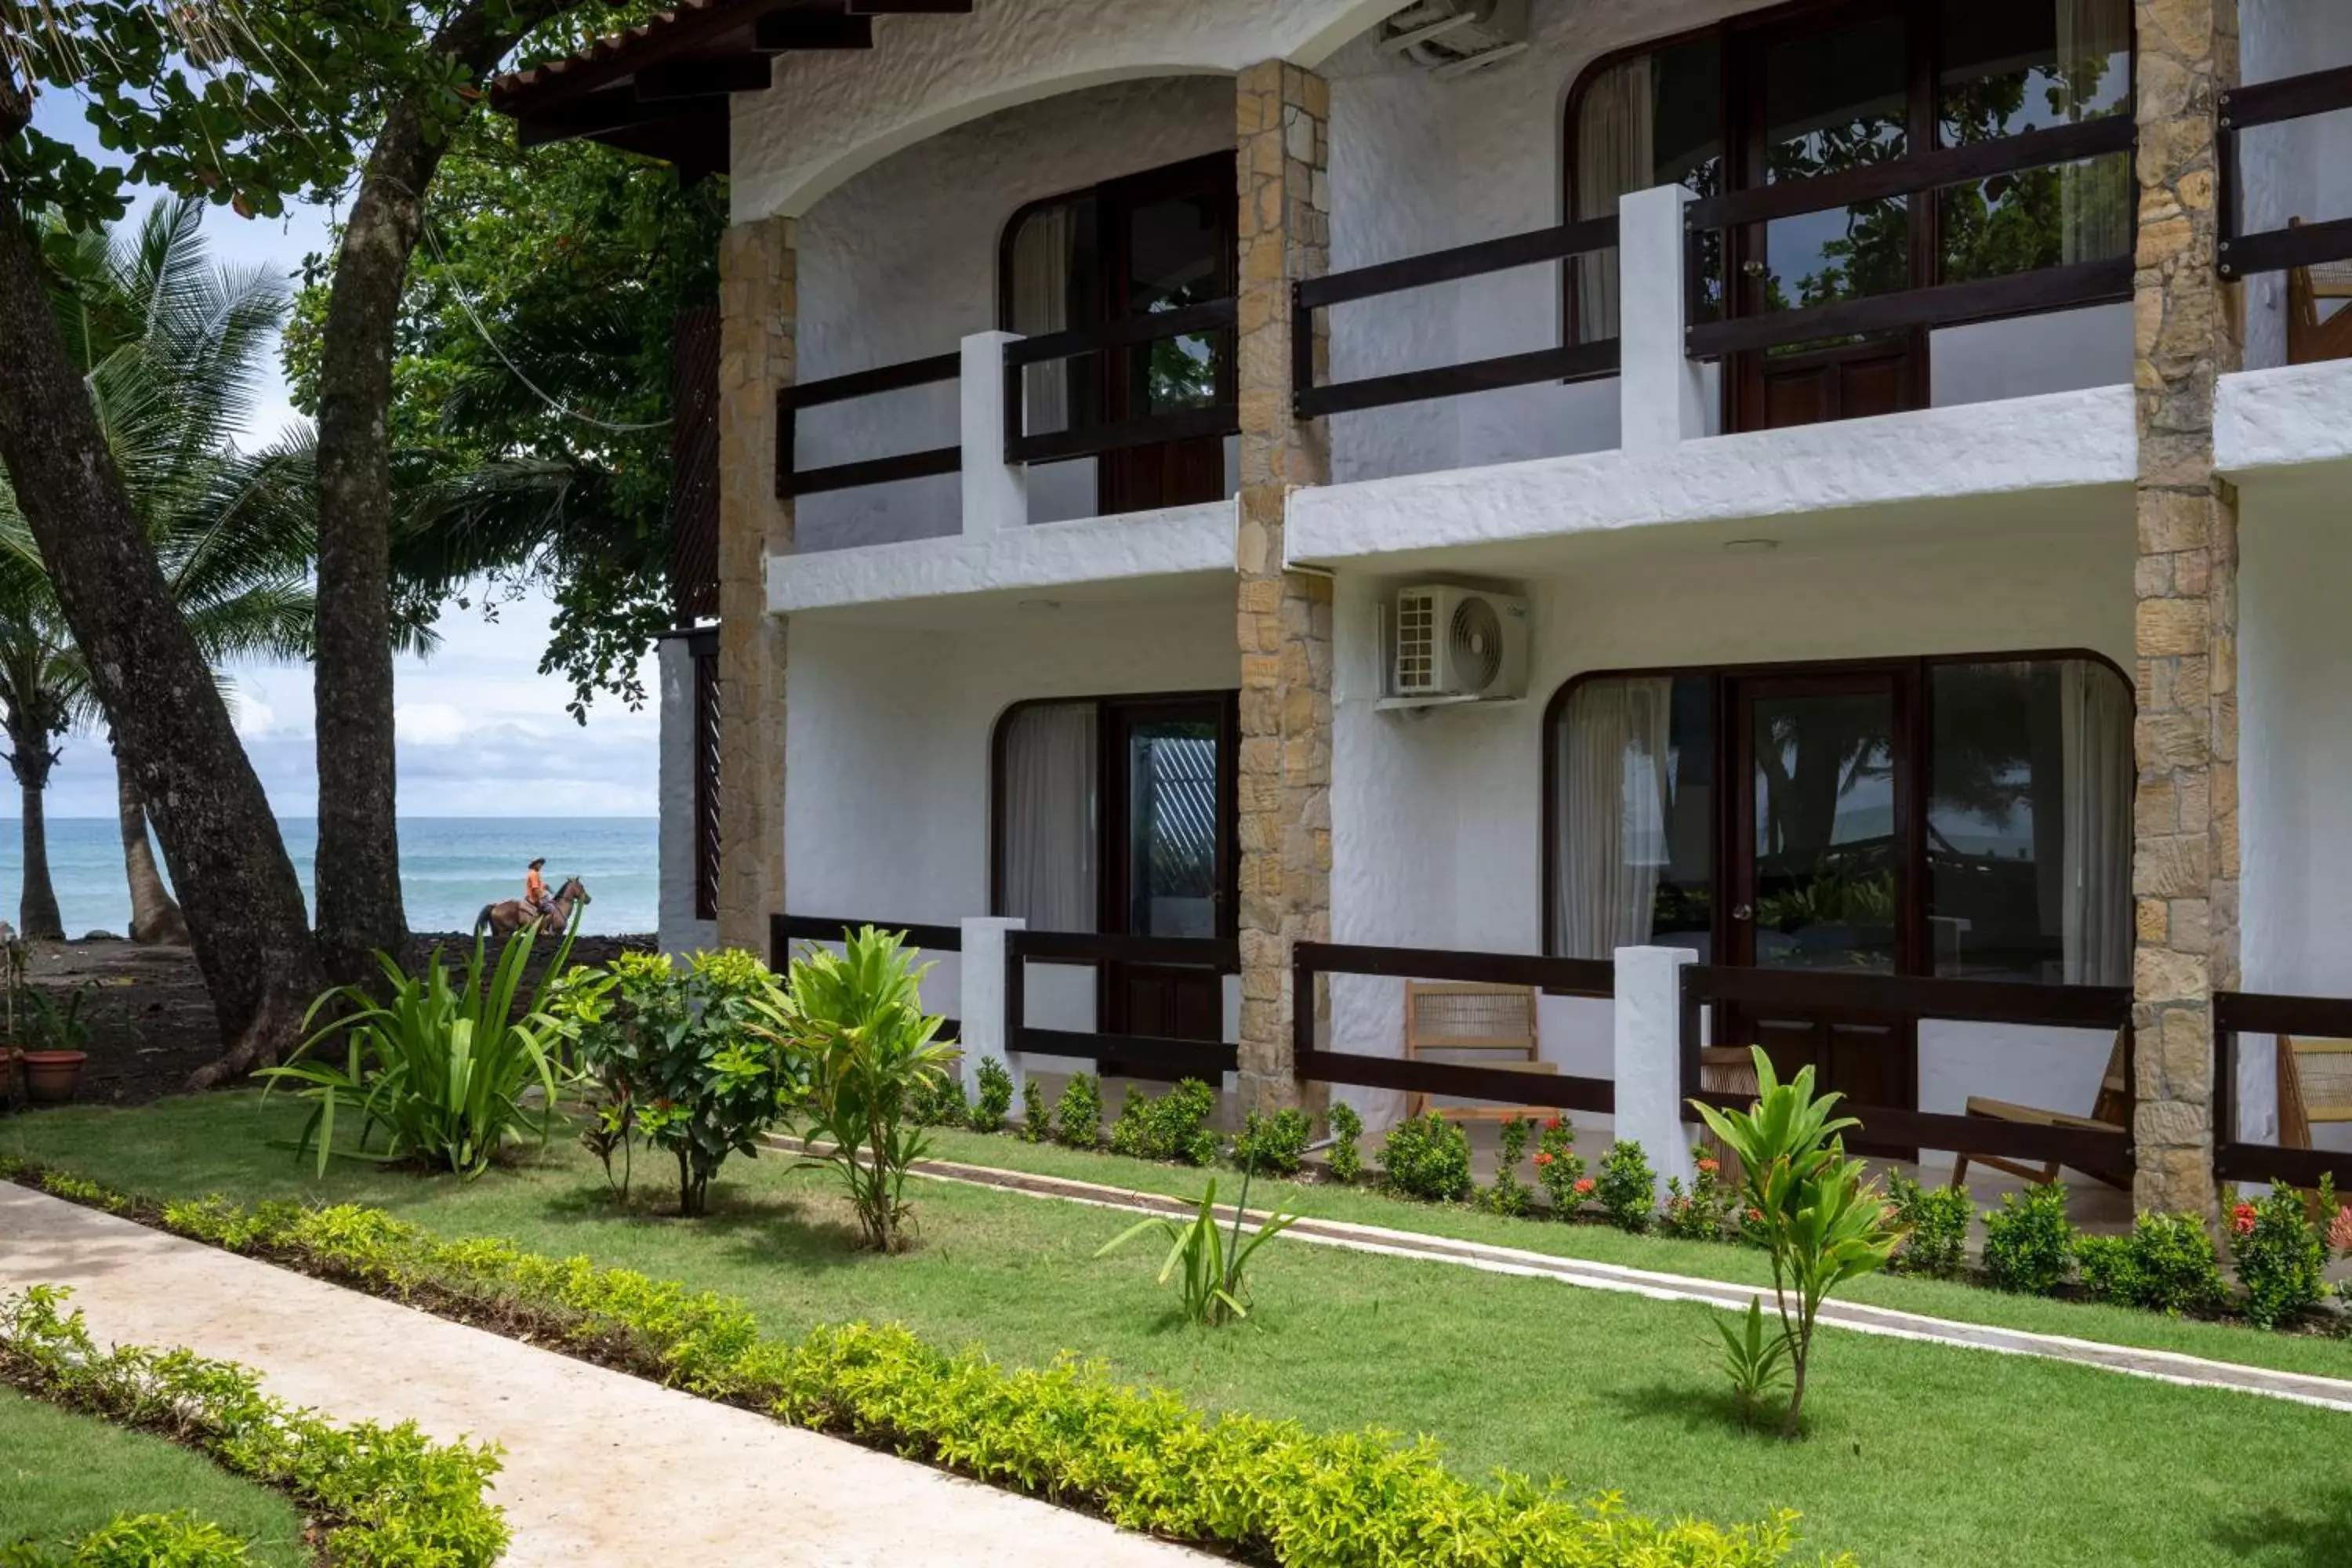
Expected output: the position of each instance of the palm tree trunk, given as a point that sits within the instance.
(155, 919)
(245, 910)
(37, 910)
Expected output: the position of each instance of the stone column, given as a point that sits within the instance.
(1282, 131)
(2185, 835)
(757, 308)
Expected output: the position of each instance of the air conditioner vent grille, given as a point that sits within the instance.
(1416, 644)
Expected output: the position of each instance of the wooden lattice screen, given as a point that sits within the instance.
(694, 465)
(705, 777)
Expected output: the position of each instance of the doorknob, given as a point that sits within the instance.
(1753, 268)
(1743, 911)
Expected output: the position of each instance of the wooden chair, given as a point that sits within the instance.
(1455, 1018)
(2314, 1084)
(2310, 339)
(2110, 1113)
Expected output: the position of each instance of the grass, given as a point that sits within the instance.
(1918, 1455)
(63, 1475)
(1949, 1299)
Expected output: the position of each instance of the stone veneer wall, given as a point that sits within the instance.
(757, 311)
(2185, 839)
(1282, 127)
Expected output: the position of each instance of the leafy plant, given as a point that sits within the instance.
(56, 1028)
(2029, 1244)
(942, 1103)
(858, 1017)
(988, 1112)
(2279, 1258)
(1275, 1145)
(1346, 1157)
(440, 1068)
(2167, 1265)
(1808, 1204)
(680, 1058)
(1427, 1157)
(1936, 1219)
(1559, 1167)
(1698, 1215)
(1172, 1126)
(1209, 1272)
(1036, 1126)
(177, 1539)
(611, 1130)
(1756, 1357)
(1508, 1194)
(1077, 1115)
(1627, 1189)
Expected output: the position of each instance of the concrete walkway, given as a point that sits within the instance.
(601, 1467)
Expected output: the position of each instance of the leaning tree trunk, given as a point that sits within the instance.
(37, 908)
(171, 724)
(155, 919)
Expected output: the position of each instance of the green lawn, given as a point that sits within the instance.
(1920, 1454)
(64, 1475)
(1713, 1260)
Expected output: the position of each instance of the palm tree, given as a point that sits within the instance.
(169, 347)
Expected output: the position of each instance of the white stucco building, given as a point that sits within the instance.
(1818, 596)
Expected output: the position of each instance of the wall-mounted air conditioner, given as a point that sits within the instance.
(1459, 644)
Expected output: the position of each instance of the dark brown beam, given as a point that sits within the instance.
(910, 7)
(2289, 98)
(703, 78)
(781, 30)
(615, 109)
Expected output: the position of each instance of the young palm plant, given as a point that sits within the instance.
(1210, 1272)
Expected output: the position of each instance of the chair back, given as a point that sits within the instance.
(2314, 1084)
(1462, 1015)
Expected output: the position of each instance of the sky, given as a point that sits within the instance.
(481, 733)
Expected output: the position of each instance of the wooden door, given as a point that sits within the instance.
(1167, 859)
(1818, 879)
(1167, 241)
(1817, 95)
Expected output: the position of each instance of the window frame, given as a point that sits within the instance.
(1914, 691)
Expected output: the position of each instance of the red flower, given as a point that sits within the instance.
(1543, 1159)
(2241, 1219)
(1553, 1125)
(1755, 1215)
(1584, 1188)
(1709, 1166)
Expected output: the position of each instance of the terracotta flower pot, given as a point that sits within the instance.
(51, 1077)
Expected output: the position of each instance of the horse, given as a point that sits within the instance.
(505, 919)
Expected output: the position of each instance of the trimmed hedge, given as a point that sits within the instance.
(1270, 1490)
(137, 1540)
(395, 1499)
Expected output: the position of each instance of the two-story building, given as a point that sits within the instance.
(1849, 487)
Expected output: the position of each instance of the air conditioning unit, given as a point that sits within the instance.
(1454, 36)
(1461, 644)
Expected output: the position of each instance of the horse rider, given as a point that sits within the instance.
(535, 896)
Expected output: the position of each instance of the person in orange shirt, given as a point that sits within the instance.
(534, 889)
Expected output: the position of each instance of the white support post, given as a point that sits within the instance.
(987, 1031)
(995, 492)
(1660, 390)
(1650, 1060)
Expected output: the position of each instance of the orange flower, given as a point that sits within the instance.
(1755, 1215)
(1709, 1165)
(2241, 1219)
(1553, 1125)
(1543, 1159)
(1584, 1188)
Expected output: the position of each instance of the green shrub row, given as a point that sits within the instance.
(396, 1499)
(137, 1540)
(1270, 1490)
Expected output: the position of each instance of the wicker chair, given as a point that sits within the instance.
(2309, 338)
(1457, 1019)
(2314, 1084)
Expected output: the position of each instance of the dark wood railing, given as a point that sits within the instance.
(1506, 1086)
(1877, 998)
(791, 480)
(785, 929)
(1158, 1054)
(2064, 288)
(1572, 362)
(2270, 103)
(2238, 1013)
(1220, 418)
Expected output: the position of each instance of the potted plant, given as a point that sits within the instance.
(53, 1072)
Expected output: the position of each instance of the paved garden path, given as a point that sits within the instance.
(601, 1467)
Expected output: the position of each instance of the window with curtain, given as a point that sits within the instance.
(1633, 815)
(1049, 816)
(1049, 287)
(1649, 119)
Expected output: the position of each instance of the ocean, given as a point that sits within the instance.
(449, 867)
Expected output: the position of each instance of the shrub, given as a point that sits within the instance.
(441, 1068)
(995, 1101)
(684, 1056)
(1627, 1189)
(2279, 1258)
(1210, 1276)
(137, 1540)
(1275, 1145)
(395, 1499)
(941, 1103)
(2029, 1242)
(1937, 1220)
(1172, 1127)
(1698, 1215)
(2167, 1265)
(1809, 1205)
(1559, 1168)
(1427, 1157)
(1347, 1157)
(1035, 1126)
(1077, 1115)
(1509, 1195)
(872, 1055)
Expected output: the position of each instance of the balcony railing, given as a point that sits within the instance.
(1572, 362)
(1157, 1055)
(2104, 282)
(2272, 103)
(1216, 419)
(2243, 1013)
(793, 480)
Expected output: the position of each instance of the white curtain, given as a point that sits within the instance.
(1049, 814)
(2096, 730)
(2095, 199)
(1041, 304)
(1614, 143)
(1611, 813)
